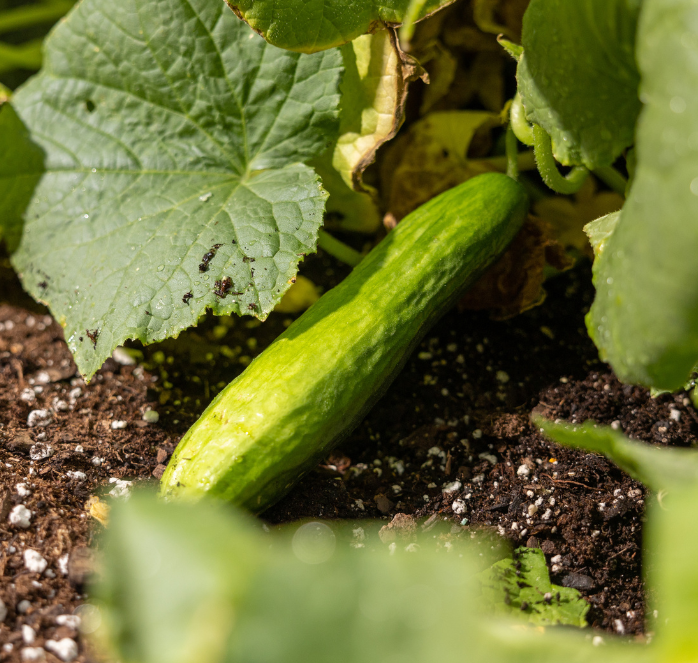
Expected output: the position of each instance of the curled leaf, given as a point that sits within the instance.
(374, 92)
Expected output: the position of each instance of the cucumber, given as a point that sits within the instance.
(313, 385)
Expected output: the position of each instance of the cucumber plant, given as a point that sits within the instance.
(174, 156)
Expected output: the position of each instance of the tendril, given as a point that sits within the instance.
(547, 166)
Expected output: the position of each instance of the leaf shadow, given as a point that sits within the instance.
(22, 164)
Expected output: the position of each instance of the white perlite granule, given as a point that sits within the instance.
(34, 561)
(20, 516)
(66, 649)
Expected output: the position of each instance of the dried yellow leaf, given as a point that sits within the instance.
(300, 296)
(98, 510)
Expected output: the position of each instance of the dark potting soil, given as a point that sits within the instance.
(450, 440)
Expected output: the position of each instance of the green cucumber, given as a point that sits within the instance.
(313, 385)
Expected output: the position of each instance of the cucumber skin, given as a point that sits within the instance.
(314, 384)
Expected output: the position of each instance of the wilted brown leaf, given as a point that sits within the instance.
(441, 65)
(568, 216)
(515, 282)
(431, 158)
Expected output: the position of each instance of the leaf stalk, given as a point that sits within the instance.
(338, 249)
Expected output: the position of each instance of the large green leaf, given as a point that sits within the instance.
(645, 317)
(578, 77)
(314, 25)
(169, 127)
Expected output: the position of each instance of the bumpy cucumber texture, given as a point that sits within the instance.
(314, 384)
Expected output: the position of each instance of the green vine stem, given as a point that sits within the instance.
(26, 56)
(519, 124)
(25, 17)
(524, 161)
(407, 28)
(512, 150)
(547, 166)
(612, 178)
(338, 249)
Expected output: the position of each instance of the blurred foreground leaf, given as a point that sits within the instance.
(672, 540)
(671, 531)
(173, 578)
(191, 583)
